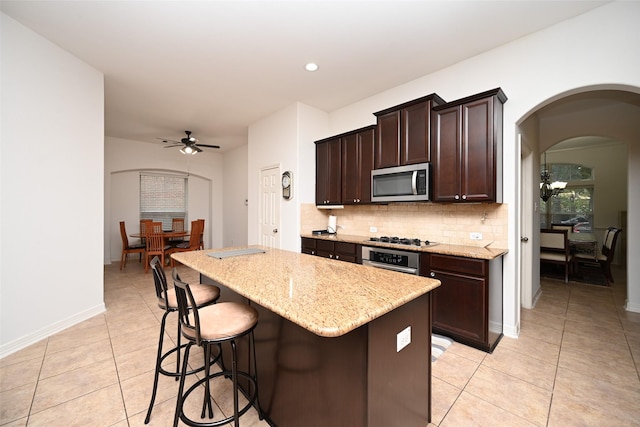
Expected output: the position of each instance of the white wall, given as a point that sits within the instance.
(51, 217)
(279, 140)
(236, 210)
(591, 50)
(124, 159)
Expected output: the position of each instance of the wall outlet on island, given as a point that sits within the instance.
(475, 236)
(403, 339)
(373, 229)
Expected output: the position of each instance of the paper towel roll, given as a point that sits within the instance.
(332, 225)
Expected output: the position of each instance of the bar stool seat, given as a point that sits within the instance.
(210, 327)
(203, 295)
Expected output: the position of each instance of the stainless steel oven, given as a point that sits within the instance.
(392, 259)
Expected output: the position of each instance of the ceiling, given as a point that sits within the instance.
(215, 67)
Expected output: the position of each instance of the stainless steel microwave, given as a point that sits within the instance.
(408, 183)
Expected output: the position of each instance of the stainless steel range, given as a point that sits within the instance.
(396, 259)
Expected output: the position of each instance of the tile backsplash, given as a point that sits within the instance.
(443, 223)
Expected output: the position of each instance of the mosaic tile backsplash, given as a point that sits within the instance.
(443, 223)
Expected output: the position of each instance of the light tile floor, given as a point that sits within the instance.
(576, 363)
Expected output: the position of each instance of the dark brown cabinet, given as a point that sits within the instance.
(343, 251)
(308, 246)
(328, 172)
(404, 133)
(357, 163)
(467, 306)
(466, 153)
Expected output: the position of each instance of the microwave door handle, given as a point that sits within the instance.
(414, 182)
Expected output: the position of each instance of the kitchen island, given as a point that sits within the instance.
(338, 344)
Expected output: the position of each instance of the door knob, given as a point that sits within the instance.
(275, 230)
(524, 239)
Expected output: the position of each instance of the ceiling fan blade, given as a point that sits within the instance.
(168, 140)
(209, 146)
(196, 148)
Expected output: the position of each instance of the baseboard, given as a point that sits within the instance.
(634, 308)
(511, 331)
(27, 340)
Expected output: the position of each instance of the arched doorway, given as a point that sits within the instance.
(609, 113)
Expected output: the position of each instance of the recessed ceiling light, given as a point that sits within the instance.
(311, 66)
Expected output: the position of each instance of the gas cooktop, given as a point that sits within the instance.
(399, 241)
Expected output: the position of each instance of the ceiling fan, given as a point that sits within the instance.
(189, 144)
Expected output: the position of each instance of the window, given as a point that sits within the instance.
(163, 197)
(574, 205)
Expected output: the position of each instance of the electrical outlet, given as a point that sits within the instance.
(403, 339)
(373, 229)
(475, 236)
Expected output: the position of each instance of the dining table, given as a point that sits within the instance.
(166, 234)
(584, 243)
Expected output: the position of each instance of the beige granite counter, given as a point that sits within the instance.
(437, 248)
(327, 297)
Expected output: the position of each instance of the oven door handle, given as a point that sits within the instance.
(399, 268)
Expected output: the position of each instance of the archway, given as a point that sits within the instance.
(608, 112)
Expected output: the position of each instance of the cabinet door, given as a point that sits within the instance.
(415, 147)
(328, 172)
(308, 246)
(346, 251)
(350, 170)
(478, 178)
(446, 155)
(357, 163)
(388, 142)
(460, 306)
(324, 248)
(366, 147)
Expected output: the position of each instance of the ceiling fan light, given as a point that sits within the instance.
(188, 150)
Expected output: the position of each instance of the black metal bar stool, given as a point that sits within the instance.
(204, 295)
(209, 327)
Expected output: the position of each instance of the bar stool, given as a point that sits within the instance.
(203, 295)
(209, 327)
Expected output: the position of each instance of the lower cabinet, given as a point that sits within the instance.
(343, 251)
(467, 306)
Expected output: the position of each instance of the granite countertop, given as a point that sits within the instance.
(437, 248)
(327, 297)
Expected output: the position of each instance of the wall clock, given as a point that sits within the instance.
(287, 192)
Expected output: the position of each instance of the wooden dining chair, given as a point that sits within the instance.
(155, 244)
(567, 227)
(201, 233)
(177, 224)
(127, 248)
(604, 257)
(554, 248)
(194, 241)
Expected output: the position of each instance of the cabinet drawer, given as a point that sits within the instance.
(344, 248)
(476, 267)
(324, 245)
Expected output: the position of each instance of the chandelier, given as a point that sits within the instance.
(549, 189)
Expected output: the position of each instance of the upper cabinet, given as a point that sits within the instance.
(343, 167)
(466, 149)
(328, 172)
(357, 163)
(404, 132)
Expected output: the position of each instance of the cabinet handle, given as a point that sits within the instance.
(457, 197)
(330, 255)
(313, 252)
(432, 274)
(337, 256)
(464, 197)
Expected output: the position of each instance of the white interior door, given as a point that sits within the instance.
(270, 207)
(526, 226)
